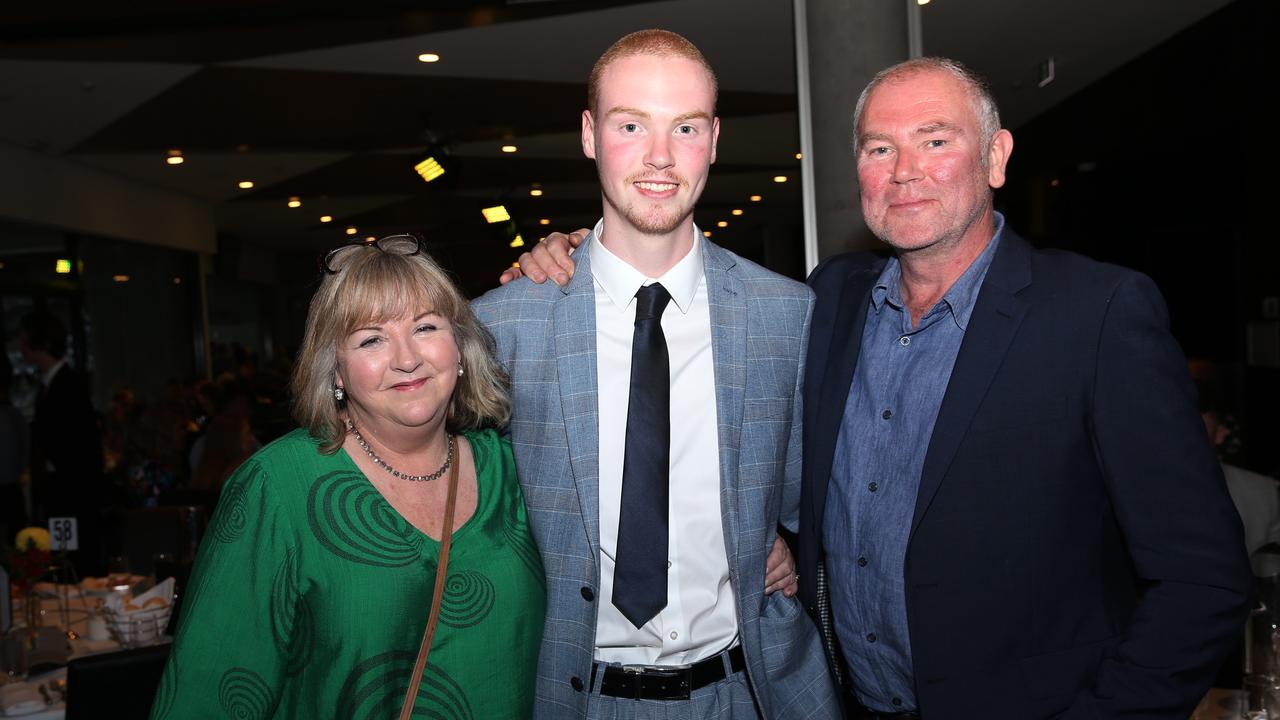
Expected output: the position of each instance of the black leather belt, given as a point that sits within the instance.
(649, 682)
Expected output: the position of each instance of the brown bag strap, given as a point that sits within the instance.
(442, 568)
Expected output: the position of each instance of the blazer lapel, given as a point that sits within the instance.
(996, 316)
(726, 298)
(842, 358)
(574, 329)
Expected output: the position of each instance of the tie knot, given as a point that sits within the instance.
(651, 300)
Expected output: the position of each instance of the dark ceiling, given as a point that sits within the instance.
(326, 102)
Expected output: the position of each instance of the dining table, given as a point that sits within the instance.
(75, 611)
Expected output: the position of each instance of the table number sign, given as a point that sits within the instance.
(62, 534)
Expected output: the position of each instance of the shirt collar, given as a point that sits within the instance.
(962, 294)
(620, 281)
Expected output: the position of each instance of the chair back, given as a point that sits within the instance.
(117, 684)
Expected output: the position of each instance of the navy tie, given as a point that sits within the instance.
(640, 567)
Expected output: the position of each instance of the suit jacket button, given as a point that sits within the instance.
(587, 594)
(576, 682)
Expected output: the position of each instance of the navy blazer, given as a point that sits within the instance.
(1074, 552)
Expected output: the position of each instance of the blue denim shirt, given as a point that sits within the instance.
(897, 388)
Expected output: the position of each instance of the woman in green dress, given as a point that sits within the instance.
(313, 585)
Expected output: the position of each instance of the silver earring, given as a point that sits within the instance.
(461, 372)
(339, 394)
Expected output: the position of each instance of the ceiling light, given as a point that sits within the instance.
(370, 239)
(295, 201)
(723, 223)
(756, 198)
(1053, 182)
(120, 278)
(544, 221)
(496, 214)
(429, 169)
(706, 233)
(428, 58)
(175, 157)
(515, 264)
(62, 266)
(177, 280)
(351, 230)
(779, 178)
(799, 156)
(736, 211)
(536, 191)
(509, 148)
(326, 218)
(246, 184)
(517, 242)
(922, 2)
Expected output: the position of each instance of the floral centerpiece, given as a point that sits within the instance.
(28, 562)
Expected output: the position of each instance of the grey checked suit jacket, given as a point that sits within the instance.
(760, 328)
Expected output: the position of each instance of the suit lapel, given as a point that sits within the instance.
(726, 298)
(574, 328)
(842, 358)
(996, 316)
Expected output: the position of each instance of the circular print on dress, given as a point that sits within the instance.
(375, 689)
(468, 598)
(351, 519)
(244, 695)
(291, 622)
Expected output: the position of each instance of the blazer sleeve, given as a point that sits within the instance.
(1170, 500)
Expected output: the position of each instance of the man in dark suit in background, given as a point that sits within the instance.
(1007, 489)
(66, 445)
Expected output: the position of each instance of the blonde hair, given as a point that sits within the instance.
(374, 283)
(662, 43)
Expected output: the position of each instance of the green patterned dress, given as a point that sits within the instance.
(310, 595)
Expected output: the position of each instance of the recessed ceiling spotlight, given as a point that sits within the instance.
(723, 223)
(429, 57)
(756, 198)
(370, 239)
(544, 221)
(509, 148)
(295, 202)
(922, 2)
(246, 184)
(352, 230)
(779, 178)
(706, 233)
(736, 211)
(175, 157)
(120, 278)
(799, 156)
(326, 218)
(517, 242)
(536, 190)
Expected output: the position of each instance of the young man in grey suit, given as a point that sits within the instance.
(657, 428)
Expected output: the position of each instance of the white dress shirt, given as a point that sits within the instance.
(700, 618)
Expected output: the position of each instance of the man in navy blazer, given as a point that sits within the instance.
(1008, 498)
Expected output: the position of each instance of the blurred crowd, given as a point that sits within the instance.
(60, 456)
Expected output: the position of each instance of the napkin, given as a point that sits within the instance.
(160, 596)
(20, 698)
